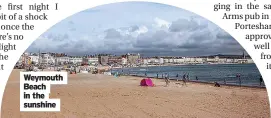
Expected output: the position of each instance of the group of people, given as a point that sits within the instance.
(240, 82)
(184, 79)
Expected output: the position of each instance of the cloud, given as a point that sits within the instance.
(145, 32)
(140, 40)
(112, 33)
(160, 23)
(185, 25)
(142, 29)
(223, 35)
(133, 28)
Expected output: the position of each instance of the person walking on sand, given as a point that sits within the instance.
(167, 79)
(177, 76)
(184, 80)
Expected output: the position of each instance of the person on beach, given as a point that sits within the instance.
(197, 78)
(217, 84)
(184, 80)
(157, 75)
(177, 77)
(167, 79)
(239, 78)
(261, 80)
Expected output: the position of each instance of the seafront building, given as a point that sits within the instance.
(75, 59)
(103, 59)
(34, 59)
(93, 60)
(133, 59)
(47, 59)
(126, 60)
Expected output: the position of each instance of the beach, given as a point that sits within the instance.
(104, 96)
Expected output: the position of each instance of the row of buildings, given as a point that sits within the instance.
(126, 60)
(63, 59)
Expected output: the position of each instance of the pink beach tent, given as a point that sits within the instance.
(146, 82)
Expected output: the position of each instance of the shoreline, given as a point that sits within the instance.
(226, 80)
(181, 65)
(199, 82)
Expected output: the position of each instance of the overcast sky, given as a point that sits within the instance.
(136, 27)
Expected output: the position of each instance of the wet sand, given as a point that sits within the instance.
(102, 96)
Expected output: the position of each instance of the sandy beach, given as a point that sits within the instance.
(102, 96)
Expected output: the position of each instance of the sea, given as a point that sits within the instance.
(221, 73)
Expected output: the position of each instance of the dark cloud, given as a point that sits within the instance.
(112, 33)
(133, 28)
(190, 46)
(223, 35)
(185, 25)
(149, 40)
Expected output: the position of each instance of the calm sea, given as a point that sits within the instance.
(220, 73)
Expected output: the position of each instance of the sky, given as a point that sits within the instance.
(150, 29)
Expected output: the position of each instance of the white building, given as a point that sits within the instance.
(93, 60)
(211, 60)
(171, 61)
(199, 60)
(188, 60)
(222, 60)
(161, 61)
(153, 60)
(62, 60)
(166, 60)
(34, 59)
(179, 60)
(124, 61)
(229, 60)
(47, 59)
(75, 60)
(216, 58)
